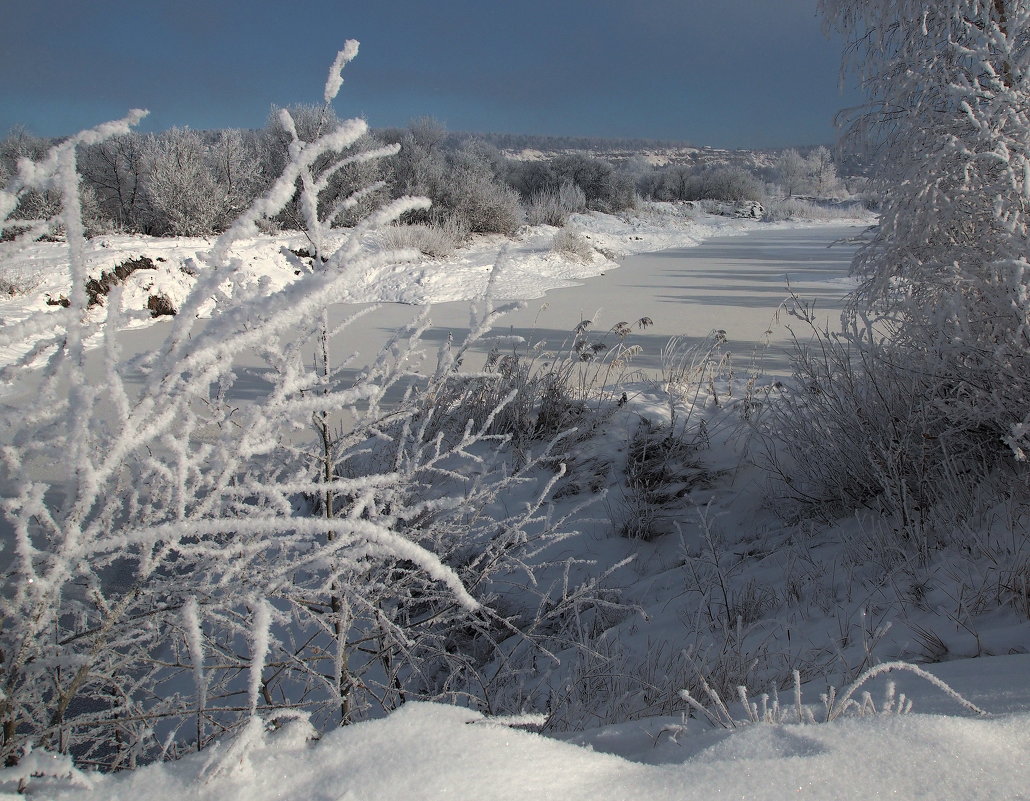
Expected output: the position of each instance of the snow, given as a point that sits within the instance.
(432, 751)
(40, 270)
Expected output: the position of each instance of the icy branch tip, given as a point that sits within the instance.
(335, 79)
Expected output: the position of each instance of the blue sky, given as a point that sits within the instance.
(728, 73)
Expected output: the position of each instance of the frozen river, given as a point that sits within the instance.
(730, 283)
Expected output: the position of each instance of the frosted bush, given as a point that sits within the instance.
(435, 241)
(799, 209)
(550, 207)
(568, 242)
(605, 189)
(480, 202)
(154, 494)
(726, 184)
(184, 564)
(923, 392)
(178, 184)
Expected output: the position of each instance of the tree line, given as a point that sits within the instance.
(182, 182)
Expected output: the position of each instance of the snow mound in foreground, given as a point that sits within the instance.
(431, 751)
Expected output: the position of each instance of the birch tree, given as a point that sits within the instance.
(949, 118)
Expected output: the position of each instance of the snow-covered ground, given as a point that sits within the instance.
(821, 601)
(430, 751)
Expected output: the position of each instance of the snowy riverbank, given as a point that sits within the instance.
(36, 277)
(820, 601)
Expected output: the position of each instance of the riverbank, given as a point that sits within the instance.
(36, 281)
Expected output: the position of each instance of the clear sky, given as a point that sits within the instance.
(727, 73)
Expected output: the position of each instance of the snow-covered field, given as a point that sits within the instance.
(842, 615)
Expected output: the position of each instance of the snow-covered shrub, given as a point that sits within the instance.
(464, 184)
(183, 562)
(531, 178)
(480, 202)
(680, 182)
(854, 430)
(569, 242)
(435, 241)
(420, 164)
(553, 207)
(667, 184)
(730, 184)
(605, 189)
(522, 397)
(149, 510)
(534, 394)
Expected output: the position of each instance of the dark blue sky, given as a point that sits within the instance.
(729, 73)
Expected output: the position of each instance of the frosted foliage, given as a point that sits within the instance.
(335, 79)
(791, 170)
(348, 185)
(949, 115)
(179, 184)
(178, 561)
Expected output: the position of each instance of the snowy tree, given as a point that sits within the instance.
(179, 184)
(822, 170)
(949, 113)
(32, 204)
(930, 377)
(114, 169)
(792, 172)
(236, 169)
